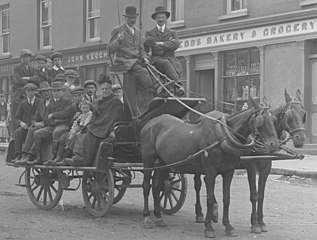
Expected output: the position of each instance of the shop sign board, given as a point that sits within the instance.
(249, 35)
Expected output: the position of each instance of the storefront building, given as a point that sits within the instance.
(260, 58)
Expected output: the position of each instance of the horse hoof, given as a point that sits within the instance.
(256, 229)
(264, 228)
(200, 219)
(210, 234)
(160, 223)
(231, 232)
(148, 224)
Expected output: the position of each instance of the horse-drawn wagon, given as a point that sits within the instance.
(105, 183)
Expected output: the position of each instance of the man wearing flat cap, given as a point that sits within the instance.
(127, 45)
(90, 90)
(57, 68)
(42, 72)
(162, 42)
(71, 78)
(23, 73)
(24, 117)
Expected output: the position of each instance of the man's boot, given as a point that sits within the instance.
(17, 158)
(54, 149)
(37, 151)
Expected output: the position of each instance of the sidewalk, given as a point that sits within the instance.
(302, 168)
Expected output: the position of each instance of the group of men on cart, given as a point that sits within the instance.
(50, 105)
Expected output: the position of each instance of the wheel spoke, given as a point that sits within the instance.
(176, 189)
(53, 188)
(45, 196)
(36, 186)
(39, 193)
(90, 196)
(50, 194)
(174, 196)
(171, 201)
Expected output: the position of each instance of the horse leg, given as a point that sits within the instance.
(227, 179)
(198, 209)
(214, 214)
(263, 175)
(160, 177)
(251, 170)
(146, 191)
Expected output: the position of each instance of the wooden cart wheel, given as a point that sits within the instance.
(121, 178)
(43, 187)
(173, 197)
(98, 191)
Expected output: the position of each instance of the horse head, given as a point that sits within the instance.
(293, 118)
(262, 123)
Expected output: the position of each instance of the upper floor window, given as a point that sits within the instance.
(93, 20)
(46, 23)
(177, 10)
(5, 29)
(236, 5)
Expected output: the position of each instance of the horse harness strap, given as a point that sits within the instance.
(190, 157)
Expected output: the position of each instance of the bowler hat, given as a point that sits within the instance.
(90, 82)
(130, 11)
(71, 72)
(60, 77)
(77, 89)
(30, 86)
(57, 86)
(44, 86)
(56, 55)
(116, 87)
(160, 9)
(25, 52)
(40, 58)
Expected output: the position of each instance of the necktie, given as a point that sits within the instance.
(90, 98)
(161, 29)
(132, 31)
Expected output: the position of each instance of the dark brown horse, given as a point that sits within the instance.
(170, 140)
(290, 116)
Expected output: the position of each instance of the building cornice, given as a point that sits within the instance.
(248, 23)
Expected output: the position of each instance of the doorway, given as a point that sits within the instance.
(205, 87)
(312, 101)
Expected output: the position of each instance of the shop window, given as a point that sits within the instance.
(93, 20)
(177, 10)
(240, 78)
(46, 24)
(5, 29)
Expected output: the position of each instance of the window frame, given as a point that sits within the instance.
(242, 9)
(3, 9)
(92, 18)
(178, 22)
(48, 25)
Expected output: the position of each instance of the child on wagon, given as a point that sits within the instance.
(81, 120)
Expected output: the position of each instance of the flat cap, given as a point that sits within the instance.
(30, 86)
(56, 55)
(25, 52)
(40, 58)
(44, 86)
(90, 82)
(77, 89)
(60, 78)
(116, 87)
(71, 72)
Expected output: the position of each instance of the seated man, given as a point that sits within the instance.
(108, 111)
(40, 115)
(162, 42)
(90, 90)
(54, 126)
(126, 43)
(24, 118)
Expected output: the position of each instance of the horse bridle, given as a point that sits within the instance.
(257, 121)
(284, 123)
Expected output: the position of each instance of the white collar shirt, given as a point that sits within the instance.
(161, 28)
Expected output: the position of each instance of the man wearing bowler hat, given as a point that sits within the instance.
(126, 43)
(162, 42)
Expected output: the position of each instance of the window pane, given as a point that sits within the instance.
(5, 21)
(45, 13)
(46, 36)
(94, 28)
(237, 5)
(177, 10)
(5, 43)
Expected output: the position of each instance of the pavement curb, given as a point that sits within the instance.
(291, 172)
